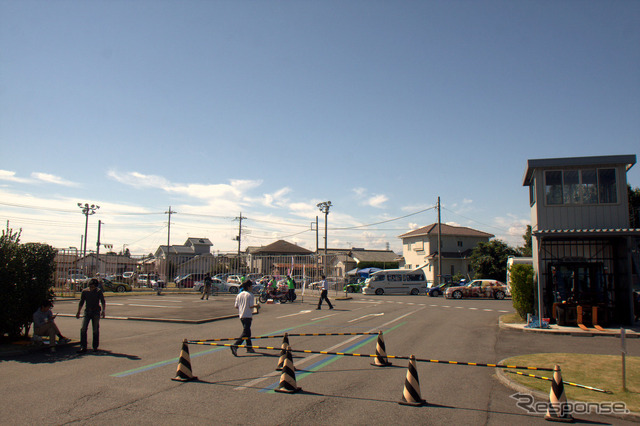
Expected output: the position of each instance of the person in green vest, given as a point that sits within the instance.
(292, 289)
(273, 285)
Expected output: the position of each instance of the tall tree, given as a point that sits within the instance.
(489, 260)
(526, 249)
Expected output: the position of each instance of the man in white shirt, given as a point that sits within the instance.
(324, 286)
(245, 304)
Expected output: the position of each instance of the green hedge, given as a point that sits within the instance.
(26, 278)
(522, 289)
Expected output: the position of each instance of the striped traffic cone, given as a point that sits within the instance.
(184, 373)
(283, 352)
(411, 394)
(557, 410)
(381, 354)
(288, 378)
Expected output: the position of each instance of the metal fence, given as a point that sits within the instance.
(184, 270)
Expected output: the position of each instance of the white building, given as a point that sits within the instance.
(420, 249)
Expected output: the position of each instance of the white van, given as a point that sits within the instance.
(396, 281)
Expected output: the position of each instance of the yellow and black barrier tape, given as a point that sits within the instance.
(280, 336)
(564, 382)
(437, 361)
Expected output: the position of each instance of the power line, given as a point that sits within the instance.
(384, 221)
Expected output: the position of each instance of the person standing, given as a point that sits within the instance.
(207, 286)
(93, 298)
(292, 289)
(324, 286)
(44, 325)
(245, 304)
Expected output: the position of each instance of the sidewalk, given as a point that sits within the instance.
(631, 332)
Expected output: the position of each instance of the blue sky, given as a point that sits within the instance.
(269, 107)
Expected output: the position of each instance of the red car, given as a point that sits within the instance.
(478, 288)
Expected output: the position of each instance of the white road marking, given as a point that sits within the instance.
(326, 316)
(368, 315)
(155, 306)
(158, 300)
(314, 356)
(293, 315)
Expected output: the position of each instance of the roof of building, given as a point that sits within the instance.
(280, 247)
(551, 163)
(362, 255)
(447, 230)
(198, 241)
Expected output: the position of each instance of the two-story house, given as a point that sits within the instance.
(420, 249)
(581, 237)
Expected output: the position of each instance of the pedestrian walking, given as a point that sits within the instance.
(245, 303)
(93, 298)
(206, 290)
(324, 286)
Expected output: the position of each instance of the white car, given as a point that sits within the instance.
(218, 286)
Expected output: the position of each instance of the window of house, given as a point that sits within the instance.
(607, 186)
(589, 186)
(584, 186)
(532, 192)
(553, 186)
(459, 243)
(571, 186)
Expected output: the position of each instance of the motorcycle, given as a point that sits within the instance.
(277, 296)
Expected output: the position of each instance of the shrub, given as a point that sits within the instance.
(26, 278)
(522, 289)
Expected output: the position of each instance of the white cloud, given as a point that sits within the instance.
(378, 201)
(49, 178)
(138, 180)
(11, 176)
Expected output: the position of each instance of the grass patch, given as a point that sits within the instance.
(599, 371)
(513, 318)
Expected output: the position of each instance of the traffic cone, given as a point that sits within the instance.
(288, 377)
(557, 410)
(381, 355)
(283, 352)
(184, 373)
(411, 395)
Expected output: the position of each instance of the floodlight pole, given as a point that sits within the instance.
(324, 208)
(86, 210)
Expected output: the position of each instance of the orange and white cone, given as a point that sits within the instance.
(184, 374)
(288, 378)
(381, 354)
(411, 394)
(557, 410)
(283, 352)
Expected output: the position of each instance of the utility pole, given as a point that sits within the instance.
(239, 230)
(168, 244)
(324, 208)
(87, 210)
(439, 245)
(98, 245)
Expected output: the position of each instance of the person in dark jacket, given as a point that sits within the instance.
(93, 298)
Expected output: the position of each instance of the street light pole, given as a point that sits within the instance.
(86, 210)
(324, 208)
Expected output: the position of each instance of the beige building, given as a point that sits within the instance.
(420, 249)
(583, 249)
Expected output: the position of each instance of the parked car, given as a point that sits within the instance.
(216, 285)
(439, 289)
(115, 286)
(235, 279)
(189, 280)
(354, 287)
(150, 280)
(399, 281)
(478, 288)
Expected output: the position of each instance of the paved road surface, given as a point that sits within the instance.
(130, 382)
